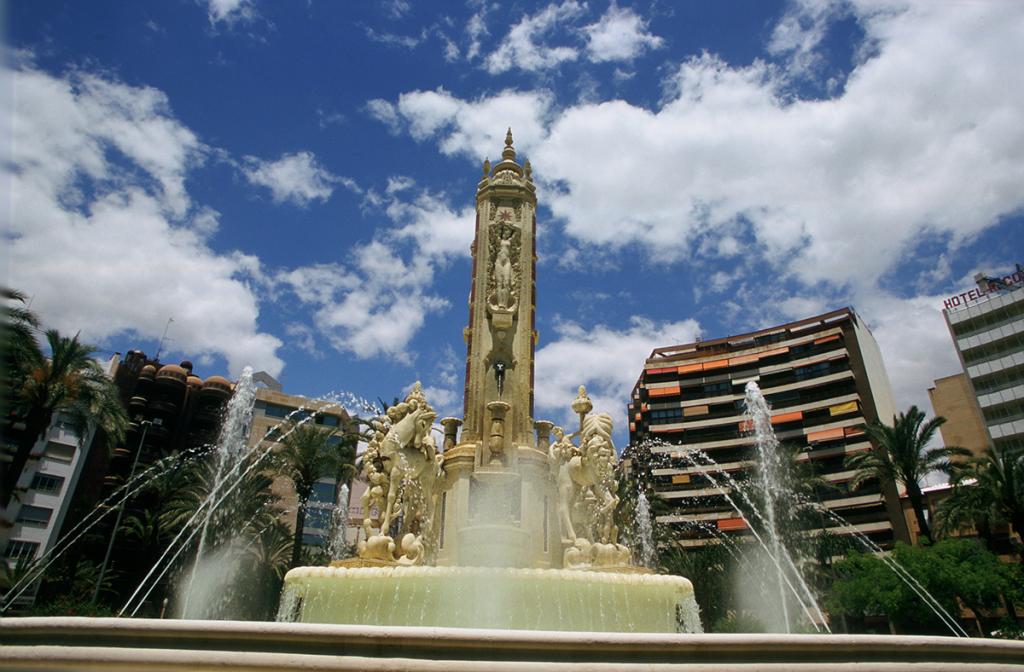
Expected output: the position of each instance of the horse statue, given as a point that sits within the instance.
(408, 455)
(587, 473)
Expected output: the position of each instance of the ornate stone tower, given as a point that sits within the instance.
(500, 479)
(500, 336)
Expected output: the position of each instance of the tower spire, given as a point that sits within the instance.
(508, 154)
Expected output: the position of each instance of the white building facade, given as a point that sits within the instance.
(987, 325)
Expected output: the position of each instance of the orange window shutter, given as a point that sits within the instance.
(680, 478)
(688, 368)
(787, 417)
(825, 435)
(716, 364)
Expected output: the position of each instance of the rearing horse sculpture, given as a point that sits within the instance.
(404, 459)
(589, 471)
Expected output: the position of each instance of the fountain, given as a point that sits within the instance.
(499, 549)
(503, 527)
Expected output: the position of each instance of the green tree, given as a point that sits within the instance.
(309, 452)
(954, 571)
(710, 568)
(18, 344)
(246, 524)
(71, 383)
(900, 454)
(987, 491)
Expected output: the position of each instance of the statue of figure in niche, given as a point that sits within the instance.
(503, 280)
(503, 274)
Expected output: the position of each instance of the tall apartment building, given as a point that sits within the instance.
(274, 406)
(44, 491)
(987, 325)
(824, 379)
(170, 410)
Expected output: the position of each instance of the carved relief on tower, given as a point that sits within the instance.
(504, 246)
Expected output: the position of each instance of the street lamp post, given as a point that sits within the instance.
(120, 510)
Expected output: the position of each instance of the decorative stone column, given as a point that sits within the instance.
(582, 405)
(451, 432)
(496, 434)
(543, 428)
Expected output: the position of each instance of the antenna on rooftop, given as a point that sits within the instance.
(163, 338)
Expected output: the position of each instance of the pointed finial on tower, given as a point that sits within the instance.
(487, 167)
(508, 153)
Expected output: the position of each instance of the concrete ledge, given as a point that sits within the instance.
(133, 644)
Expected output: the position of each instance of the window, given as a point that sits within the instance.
(34, 516)
(317, 519)
(718, 389)
(47, 484)
(21, 549)
(811, 371)
(277, 411)
(323, 492)
(314, 540)
(329, 420)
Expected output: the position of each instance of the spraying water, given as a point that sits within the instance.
(758, 415)
(338, 546)
(232, 445)
(644, 530)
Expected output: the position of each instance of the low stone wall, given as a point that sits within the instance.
(140, 644)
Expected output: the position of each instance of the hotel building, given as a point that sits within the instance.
(987, 326)
(824, 379)
(273, 407)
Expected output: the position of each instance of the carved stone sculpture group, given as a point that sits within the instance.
(404, 472)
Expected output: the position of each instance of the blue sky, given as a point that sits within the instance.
(293, 182)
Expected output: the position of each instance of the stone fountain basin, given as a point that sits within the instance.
(490, 597)
(129, 644)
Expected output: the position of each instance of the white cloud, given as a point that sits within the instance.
(393, 40)
(836, 190)
(922, 140)
(915, 344)
(607, 361)
(437, 230)
(619, 35)
(801, 30)
(385, 112)
(103, 234)
(523, 47)
(297, 177)
(476, 31)
(476, 128)
(230, 11)
(396, 9)
(374, 305)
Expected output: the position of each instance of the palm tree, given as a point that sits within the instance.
(19, 353)
(18, 326)
(900, 454)
(308, 453)
(69, 383)
(987, 491)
